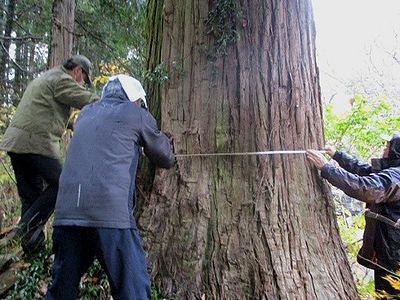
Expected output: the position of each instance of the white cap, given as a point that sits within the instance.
(385, 137)
(132, 87)
(388, 137)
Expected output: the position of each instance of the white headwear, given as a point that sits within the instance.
(132, 87)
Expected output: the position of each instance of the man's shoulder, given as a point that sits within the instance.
(54, 74)
(47, 80)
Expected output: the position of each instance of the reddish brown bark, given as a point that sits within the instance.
(254, 227)
(62, 32)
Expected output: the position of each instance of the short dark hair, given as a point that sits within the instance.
(69, 64)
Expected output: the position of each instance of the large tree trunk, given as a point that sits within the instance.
(251, 227)
(62, 32)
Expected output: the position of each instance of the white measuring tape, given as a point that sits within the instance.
(246, 153)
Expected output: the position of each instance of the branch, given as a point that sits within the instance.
(393, 56)
(94, 36)
(369, 214)
(379, 266)
(12, 60)
(102, 42)
(33, 38)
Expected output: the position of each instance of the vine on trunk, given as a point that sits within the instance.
(221, 23)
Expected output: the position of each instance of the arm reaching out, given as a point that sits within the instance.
(330, 151)
(317, 158)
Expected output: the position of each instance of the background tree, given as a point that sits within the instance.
(5, 44)
(118, 39)
(27, 50)
(242, 77)
(62, 32)
(114, 44)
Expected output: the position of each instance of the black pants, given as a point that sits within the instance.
(37, 183)
(382, 284)
(119, 252)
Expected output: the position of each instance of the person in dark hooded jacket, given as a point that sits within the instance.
(96, 195)
(379, 186)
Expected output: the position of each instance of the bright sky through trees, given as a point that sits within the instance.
(350, 35)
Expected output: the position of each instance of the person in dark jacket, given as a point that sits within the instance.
(32, 140)
(379, 186)
(96, 196)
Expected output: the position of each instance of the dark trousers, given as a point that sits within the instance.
(119, 252)
(382, 284)
(37, 179)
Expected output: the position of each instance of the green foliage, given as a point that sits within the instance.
(29, 48)
(33, 19)
(350, 229)
(221, 23)
(106, 31)
(158, 75)
(112, 32)
(9, 200)
(94, 284)
(32, 278)
(156, 295)
(358, 131)
(366, 289)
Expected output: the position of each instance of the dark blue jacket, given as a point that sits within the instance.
(380, 189)
(97, 184)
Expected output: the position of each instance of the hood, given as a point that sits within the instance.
(394, 148)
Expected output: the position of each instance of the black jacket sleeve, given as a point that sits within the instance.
(374, 188)
(156, 145)
(352, 164)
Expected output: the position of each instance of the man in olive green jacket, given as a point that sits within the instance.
(33, 143)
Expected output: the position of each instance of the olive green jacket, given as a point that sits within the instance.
(43, 112)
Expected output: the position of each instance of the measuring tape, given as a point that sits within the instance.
(245, 153)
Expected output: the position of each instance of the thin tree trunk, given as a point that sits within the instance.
(5, 43)
(2, 15)
(251, 227)
(19, 59)
(62, 32)
(31, 59)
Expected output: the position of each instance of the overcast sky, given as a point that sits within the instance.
(347, 30)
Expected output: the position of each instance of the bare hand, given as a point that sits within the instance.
(317, 158)
(330, 151)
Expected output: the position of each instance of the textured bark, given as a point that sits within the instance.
(62, 32)
(153, 90)
(154, 38)
(253, 227)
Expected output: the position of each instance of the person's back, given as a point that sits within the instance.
(100, 167)
(42, 114)
(94, 208)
